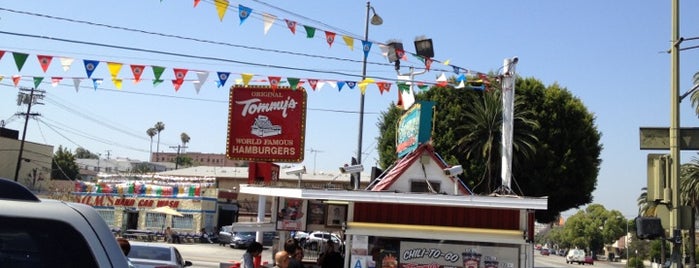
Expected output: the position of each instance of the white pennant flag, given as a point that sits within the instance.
(201, 78)
(333, 84)
(76, 83)
(66, 62)
(320, 85)
(269, 21)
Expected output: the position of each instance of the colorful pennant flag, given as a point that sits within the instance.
(196, 2)
(268, 20)
(243, 13)
(351, 84)
(55, 80)
(274, 81)
(383, 86)
(180, 74)
(366, 47)
(177, 83)
(66, 63)
(201, 78)
(114, 69)
(157, 72)
(289, 23)
(293, 82)
(349, 41)
(15, 79)
(90, 66)
(76, 83)
(330, 38)
(442, 80)
(20, 59)
(137, 71)
(117, 82)
(310, 31)
(96, 82)
(44, 61)
(246, 78)
(2, 53)
(313, 83)
(37, 81)
(340, 84)
(222, 77)
(221, 8)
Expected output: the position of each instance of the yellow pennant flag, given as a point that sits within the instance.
(349, 41)
(246, 79)
(114, 68)
(117, 83)
(1, 77)
(446, 62)
(221, 7)
(363, 84)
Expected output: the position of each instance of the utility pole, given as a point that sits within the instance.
(315, 153)
(108, 153)
(675, 231)
(29, 100)
(177, 159)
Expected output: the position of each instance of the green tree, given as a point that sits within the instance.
(185, 139)
(594, 227)
(159, 127)
(151, 132)
(184, 161)
(689, 195)
(63, 166)
(81, 153)
(564, 166)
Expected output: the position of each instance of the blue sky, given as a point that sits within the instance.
(609, 54)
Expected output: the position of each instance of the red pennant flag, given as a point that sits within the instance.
(274, 81)
(137, 71)
(383, 86)
(2, 52)
(330, 37)
(428, 62)
(45, 61)
(292, 25)
(177, 83)
(196, 2)
(180, 74)
(55, 80)
(15, 79)
(313, 83)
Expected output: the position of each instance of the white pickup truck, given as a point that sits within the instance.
(576, 256)
(49, 233)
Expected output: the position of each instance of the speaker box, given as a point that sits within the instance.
(649, 228)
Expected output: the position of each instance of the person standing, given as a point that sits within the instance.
(254, 250)
(290, 246)
(330, 258)
(126, 248)
(281, 259)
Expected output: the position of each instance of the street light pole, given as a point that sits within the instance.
(375, 21)
(674, 134)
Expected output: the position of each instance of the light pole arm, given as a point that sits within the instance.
(694, 88)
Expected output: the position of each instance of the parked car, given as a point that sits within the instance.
(244, 239)
(319, 238)
(225, 235)
(561, 252)
(576, 256)
(545, 252)
(589, 260)
(50, 233)
(152, 255)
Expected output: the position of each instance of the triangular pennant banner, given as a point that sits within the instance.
(383, 87)
(330, 38)
(313, 83)
(349, 41)
(340, 84)
(196, 2)
(157, 82)
(274, 81)
(310, 31)
(15, 79)
(332, 84)
(221, 8)
(428, 63)
(117, 83)
(243, 13)
(246, 79)
(137, 71)
(289, 23)
(442, 80)
(222, 77)
(55, 80)
(177, 83)
(44, 61)
(293, 82)
(268, 20)
(20, 59)
(96, 82)
(114, 69)
(157, 72)
(90, 66)
(456, 69)
(66, 63)
(2, 53)
(76, 83)
(201, 77)
(362, 87)
(366, 47)
(446, 62)
(37, 81)
(197, 86)
(351, 84)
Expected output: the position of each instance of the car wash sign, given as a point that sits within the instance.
(414, 127)
(266, 125)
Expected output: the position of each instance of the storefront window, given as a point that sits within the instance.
(155, 220)
(107, 215)
(184, 222)
(391, 252)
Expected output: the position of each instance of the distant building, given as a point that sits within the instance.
(35, 169)
(199, 159)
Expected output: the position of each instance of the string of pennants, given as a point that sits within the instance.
(139, 188)
(245, 79)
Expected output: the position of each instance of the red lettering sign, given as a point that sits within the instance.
(266, 125)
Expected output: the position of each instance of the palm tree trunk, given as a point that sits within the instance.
(692, 241)
(157, 149)
(150, 154)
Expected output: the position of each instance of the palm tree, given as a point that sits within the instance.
(689, 195)
(151, 132)
(185, 139)
(483, 123)
(159, 127)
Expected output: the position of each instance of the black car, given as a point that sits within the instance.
(244, 239)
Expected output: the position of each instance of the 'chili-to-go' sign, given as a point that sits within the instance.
(266, 124)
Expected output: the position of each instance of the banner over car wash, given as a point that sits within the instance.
(265, 124)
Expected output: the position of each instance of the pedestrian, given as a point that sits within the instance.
(205, 238)
(126, 248)
(171, 236)
(290, 246)
(330, 258)
(254, 250)
(298, 255)
(281, 259)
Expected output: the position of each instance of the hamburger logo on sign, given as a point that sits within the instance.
(266, 125)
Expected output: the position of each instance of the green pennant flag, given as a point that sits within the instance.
(293, 82)
(310, 31)
(191, 190)
(37, 81)
(403, 87)
(157, 72)
(20, 59)
(422, 86)
(157, 82)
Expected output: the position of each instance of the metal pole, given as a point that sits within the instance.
(674, 134)
(361, 97)
(24, 134)
(626, 243)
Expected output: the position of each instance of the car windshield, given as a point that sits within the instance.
(151, 253)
